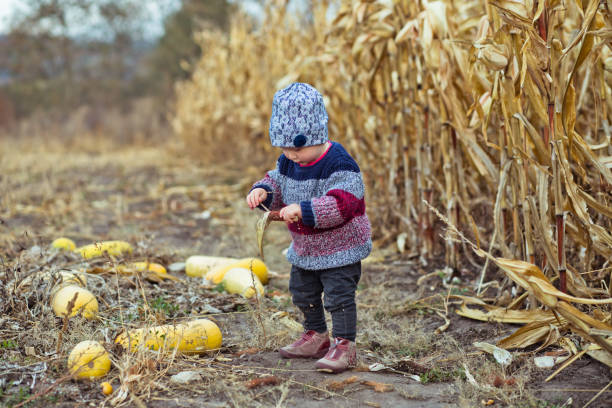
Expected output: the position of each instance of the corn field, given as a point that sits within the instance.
(496, 113)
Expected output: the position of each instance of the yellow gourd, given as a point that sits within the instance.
(63, 278)
(64, 244)
(199, 265)
(112, 248)
(192, 337)
(242, 282)
(256, 265)
(88, 360)
(142, 266)
(69, 279)
(107, 388)
(85, 304)
(75, 278)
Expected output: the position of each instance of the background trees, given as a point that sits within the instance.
(59, 55)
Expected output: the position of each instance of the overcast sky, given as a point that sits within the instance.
(6, 8)
(157, 13)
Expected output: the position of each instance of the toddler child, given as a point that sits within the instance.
(319, 190)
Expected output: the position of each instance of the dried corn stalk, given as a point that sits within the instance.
(496, 111)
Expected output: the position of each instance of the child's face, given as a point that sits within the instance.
(304, 155)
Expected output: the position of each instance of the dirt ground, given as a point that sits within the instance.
(414, 350)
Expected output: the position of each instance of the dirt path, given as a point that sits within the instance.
(353, 388)
(308, 388)
(170, 208)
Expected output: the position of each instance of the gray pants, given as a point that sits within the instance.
(338, 286)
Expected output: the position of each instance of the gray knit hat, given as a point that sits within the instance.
(298, 117)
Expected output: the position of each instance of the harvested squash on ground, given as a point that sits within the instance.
(150, 267)
(69, 279)
(199, 265)
(242, 282)
(256, 265)
(78, 278)
(63, 244)
(58, 279)
(107, 388)
(111, 248)
(88, 360)
(147, 266)
(152, 272)
(192, 337)
(85, 302)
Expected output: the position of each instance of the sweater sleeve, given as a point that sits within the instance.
(271, 183)
(343, 200)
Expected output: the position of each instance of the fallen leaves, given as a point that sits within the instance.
(499, 382)
(376, 386)
(542, 326)
(340, 385)
(257, 382)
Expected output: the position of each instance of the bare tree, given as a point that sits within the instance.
(63, 53)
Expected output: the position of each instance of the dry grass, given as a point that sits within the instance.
(94, 197)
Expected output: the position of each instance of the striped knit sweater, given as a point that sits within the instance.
(334, 230)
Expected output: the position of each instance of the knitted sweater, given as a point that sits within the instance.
(334, 230)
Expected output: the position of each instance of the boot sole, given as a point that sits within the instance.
(288, 354)
(331, 369)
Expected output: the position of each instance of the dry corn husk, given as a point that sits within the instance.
(492, 57)
(504, 315)
(502, 356)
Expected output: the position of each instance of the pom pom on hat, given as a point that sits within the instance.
(299, 140)
(298, 117)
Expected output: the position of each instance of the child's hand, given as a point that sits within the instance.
(291, 213)
(256, 197)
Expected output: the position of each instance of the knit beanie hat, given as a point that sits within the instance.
(298, 117)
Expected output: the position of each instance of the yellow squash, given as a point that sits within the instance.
(192, 337)
(256, 265)
(64, 244)
(59, 279)
(107, 388)
(242, 282)
(85, 303)
(69, 279)
(88, 360)
(199, 265)
(112, 248)
(142, 266)
(74, 278)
